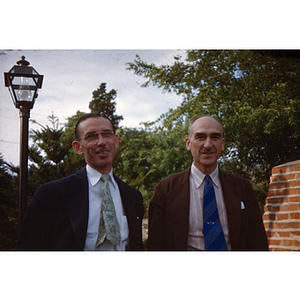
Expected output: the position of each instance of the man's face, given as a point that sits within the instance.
(97, 143)
(205, 143)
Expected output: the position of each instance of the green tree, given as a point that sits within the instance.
(51, 154)
(146, 156)
(72, 162)
(134, 161)
(8, 206)
(104, 103)
(47, 154)
(255, 95)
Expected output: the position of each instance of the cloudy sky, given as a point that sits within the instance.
(70, 77)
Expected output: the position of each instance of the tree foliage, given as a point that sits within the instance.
(8, 207)
(105, 103)
(255, 95)
(146, 156)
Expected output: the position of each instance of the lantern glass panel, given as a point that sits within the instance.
(24, 92)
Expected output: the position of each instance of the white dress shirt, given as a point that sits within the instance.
(95, 185)
(197, 182)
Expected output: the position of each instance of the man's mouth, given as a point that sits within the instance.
(104, 151)
(207, 152)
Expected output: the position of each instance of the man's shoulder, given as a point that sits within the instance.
(175, 179)
(227, 175)
(72, 179)
(123, 185)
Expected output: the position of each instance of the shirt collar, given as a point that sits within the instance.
(199, 177)
(94, 176)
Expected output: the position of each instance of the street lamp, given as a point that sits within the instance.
(23, 83)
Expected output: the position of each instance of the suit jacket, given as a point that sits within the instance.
(57, 215)
(169, 214)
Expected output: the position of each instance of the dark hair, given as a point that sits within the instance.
(202, 116)
(88, 116)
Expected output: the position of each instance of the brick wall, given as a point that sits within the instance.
(282, 209)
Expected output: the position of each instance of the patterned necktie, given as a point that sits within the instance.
(212, 229)
(108, 226)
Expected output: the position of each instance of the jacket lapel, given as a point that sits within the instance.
(76, 204)
(133, 223)
(232, 200)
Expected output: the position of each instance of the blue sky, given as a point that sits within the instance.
(70, 77)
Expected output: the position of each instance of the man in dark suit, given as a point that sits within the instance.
(67, 214)
(176, 219)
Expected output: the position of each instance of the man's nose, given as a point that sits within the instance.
(100, 139)
(207, 143)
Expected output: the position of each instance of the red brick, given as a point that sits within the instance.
(285, 199)
(289, 207)
(287, 243)
(294, 168)
(284, 233)
(267, 208)
(281, 217)
(273, 178)
(280, 249)
(283, 225)
(277, 225)
(269, 216)
(291, 191)
(295, 232)
(287, 184)
(287, 176)
(279, 192)
(275, 208)
(270, 233)
(294, 199)
(295, 215)
(274, 242)
(291, 225)
(294, 182)
(270, 193)
(276, 234)
(291, 243)
(272, 200)
(276, 185)
(277, 170)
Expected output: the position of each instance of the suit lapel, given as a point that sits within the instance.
(76, 204)
(232, 200)
(129, 209)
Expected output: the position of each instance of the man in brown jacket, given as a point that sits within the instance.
(176, 220)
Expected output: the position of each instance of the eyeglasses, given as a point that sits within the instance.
(93, 136)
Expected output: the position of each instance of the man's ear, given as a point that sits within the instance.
(77, 147)
(116, 141)
(188, 143)
(223, 144)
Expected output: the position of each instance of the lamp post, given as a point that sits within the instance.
(23, 82)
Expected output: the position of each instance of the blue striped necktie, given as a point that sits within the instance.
(108, 226)
(212, 228)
